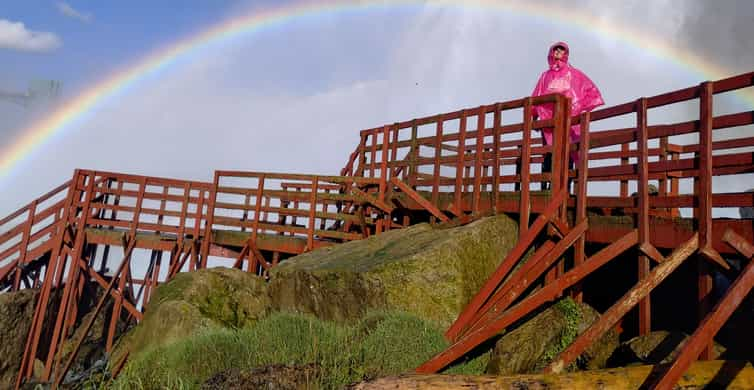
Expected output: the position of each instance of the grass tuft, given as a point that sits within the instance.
(380, 344)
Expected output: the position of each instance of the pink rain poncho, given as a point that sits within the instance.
(563, 78)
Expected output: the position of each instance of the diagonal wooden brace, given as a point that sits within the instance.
(626, 303)
(716, 318)
(550, 291)
(59, 377)
(652, 252)
(711, 254)
(530, 272)
(366, 198)
(419, 199)
(513, 257)
(739, 243)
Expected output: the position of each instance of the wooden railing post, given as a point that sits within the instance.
(460, 162)
(436, 165)
(496, 153)
(524, 209)
(479, 150)
(645, 321)
(413, 155)
(581, 196)
(703, 194)
(21, 262)
(383, 162)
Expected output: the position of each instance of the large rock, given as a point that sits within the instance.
(193, 301)
(534, 343)
(16, 312)
(429, 272)
(656, 347)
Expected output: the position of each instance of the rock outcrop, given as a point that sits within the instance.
(16, 312)
(196, 300)
(534, 343)
(429, 272)
(656, 347)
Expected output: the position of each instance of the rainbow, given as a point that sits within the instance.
(87, 102)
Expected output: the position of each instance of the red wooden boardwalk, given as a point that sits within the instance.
(453, 166)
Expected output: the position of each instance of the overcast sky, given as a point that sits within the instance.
(293, 97)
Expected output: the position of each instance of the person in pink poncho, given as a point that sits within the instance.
(563, 78)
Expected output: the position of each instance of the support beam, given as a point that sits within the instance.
(528, 274)
(513, 257)
(715, 319)
(118, 274)
(419, 199)
(550, 291)
(626, 303)
(642, 139)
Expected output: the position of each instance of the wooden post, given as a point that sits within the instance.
(645, 320)
(461, 155)
(581, 196)
(524, 196)
(383, 162)
(312, 213)
(704, 201)
(496, 153)
(478, 160)
(413, 155)
(438, 155)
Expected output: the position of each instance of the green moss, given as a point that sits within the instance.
(194, 301)
(573, 317)
(430, 272)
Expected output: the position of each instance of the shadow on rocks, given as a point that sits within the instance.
(273, 377)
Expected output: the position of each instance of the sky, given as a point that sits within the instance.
(292, 97)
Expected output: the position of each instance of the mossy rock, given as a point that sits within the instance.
(16, 312)
(426, 271)
(193, 301)
(656, 347)
(535, 342)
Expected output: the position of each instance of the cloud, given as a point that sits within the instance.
(71, 12)
(15, 36)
